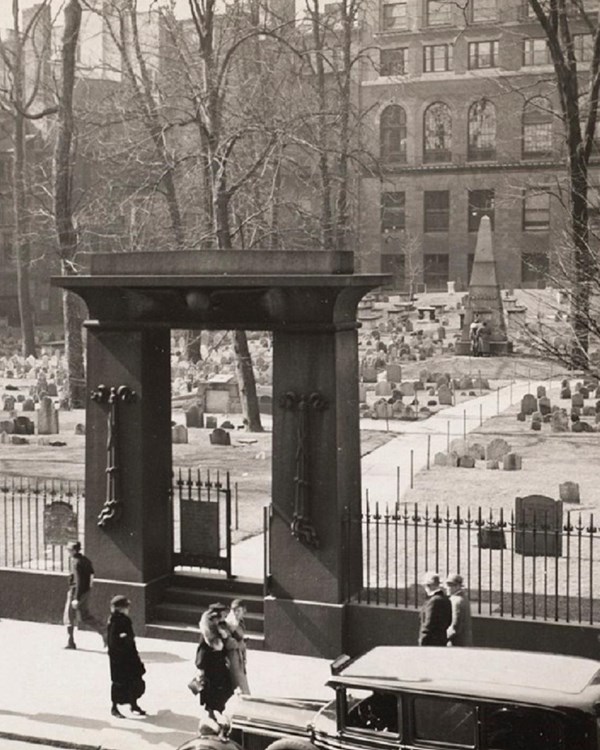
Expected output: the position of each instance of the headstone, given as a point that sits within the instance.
(476, 451)
(369, 375)
(512, 462)
(52, 390)
(19, 440)
(407, 389)
(588, 411)
(393, 373)
(362, 394)
(440, 459)
(20, 398)
(577, 401)
(7, 426)
(220, 437)
(194, 417)
(227, 425)
(544, 405)
(80, 429)
(460, 447)
(521, 417)
(568, 492)
(584, 393)
(9, 403)
(581, 426)
(466, 462)
(559, 421)
(444, 395)
(47, 417)
(383, 388)
(211, 423)
(492, 464)
(538, 526)
(465, 383)
(528, 404)
(565, 393)
(496, 449)
(541, 392)
(536, 425)
(452, 459)
(179, 434)
(28, 405)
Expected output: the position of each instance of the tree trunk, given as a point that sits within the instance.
(247, 383)
(73, 317)
(583, 262)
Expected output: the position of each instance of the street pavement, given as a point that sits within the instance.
(54, 695)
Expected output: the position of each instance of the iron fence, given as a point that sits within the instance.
(38, 517)
(534, 569)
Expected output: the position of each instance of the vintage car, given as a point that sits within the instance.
(405, 698)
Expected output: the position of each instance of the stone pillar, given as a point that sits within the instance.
(310, 584)
(136, 549)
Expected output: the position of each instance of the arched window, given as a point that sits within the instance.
(482, 131)
(437, 133)
(392, 134)
(537, 128)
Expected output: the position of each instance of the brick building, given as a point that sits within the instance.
(464, 119)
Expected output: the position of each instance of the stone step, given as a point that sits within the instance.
(190, 614)
(202, 598)
(181, 631)
(237, 586)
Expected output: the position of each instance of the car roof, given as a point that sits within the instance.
(546, 679)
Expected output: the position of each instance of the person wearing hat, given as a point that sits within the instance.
(236, 646)
(460, 632)
(126, 667)
(211, 661)
(77, 606)
(213, 734)
(435, 614)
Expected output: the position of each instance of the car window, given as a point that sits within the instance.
(523, 728)
(373, 710)
(443, 720)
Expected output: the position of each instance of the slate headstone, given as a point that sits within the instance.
(577, 401)
(540, 392)
(538, 523)
(444, 395)
(47, 417)
(496, 449)
(512, 462)
(194, 417)
(179, 434)
(28, 405)
(528, 404)
(220, 437)
(568, 492)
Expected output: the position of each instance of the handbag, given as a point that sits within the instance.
(195, 685)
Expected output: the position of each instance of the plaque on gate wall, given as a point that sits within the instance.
(60, 523)
(538, 526)
(200, 528)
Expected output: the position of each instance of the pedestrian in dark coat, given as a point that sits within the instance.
(77, 606)
(211, 661)
(436, 613)
(460, 632)
(126, 667)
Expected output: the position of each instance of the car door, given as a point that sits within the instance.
(433, 722)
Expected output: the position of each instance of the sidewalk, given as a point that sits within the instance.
(380, 467)
(64, 696)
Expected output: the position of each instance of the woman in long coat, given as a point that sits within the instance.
(236, 646)
(211, 661)
(126, 667)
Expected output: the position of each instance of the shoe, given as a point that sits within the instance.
(71, 646)
(114, 711)
(138, 711)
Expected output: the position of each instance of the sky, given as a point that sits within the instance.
(182, 8)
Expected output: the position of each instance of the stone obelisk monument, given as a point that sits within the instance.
(484, 302)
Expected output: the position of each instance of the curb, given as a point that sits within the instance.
(59, 744)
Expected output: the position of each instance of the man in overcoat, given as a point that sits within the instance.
(435, 614)
(460, 632)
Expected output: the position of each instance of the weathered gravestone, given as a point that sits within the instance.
(52, 390)
(577, 401)
(383, 388)
(540, 392)
(179, 434)
(440, 459)
(369, 375)
(512, 462)
(393, 373)
(194, 417)
(60, 523)
(538, 526)
(47, 417)
(80, 428)
(28, 405)
(496, 449)
(211, 423)
(24, 426)
(9, 403)
(559, 421)
(544, 405)
(407, 389)
(444, 395)
(568, 492)
(7, 426)
(528, 404)
(220, 437)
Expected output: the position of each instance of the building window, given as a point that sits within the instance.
(392, 211)
(482, 131)
(393, 16)
(439, 12)
(536, 210)
(436, 210)
(437, 135)
(534, 269)
(392, 62)
(483, 10)
(437, 58)
(392, 134)
(537, 127)
(536, 52)
(583, 46)
(435, 270)
(483, 55)
(481, 203)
